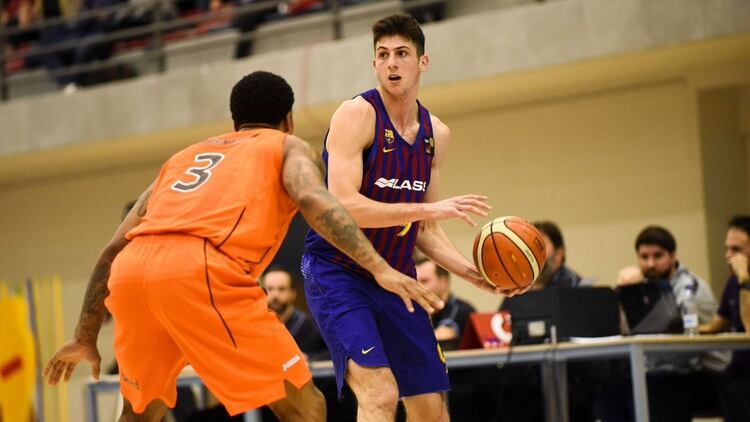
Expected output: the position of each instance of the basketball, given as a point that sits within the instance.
(509, 252)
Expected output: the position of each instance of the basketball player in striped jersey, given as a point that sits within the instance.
(180, 274)
(384, 152)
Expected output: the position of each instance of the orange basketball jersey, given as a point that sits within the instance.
(226, 189)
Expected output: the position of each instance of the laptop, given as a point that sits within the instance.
(650, 308)
(573, 312)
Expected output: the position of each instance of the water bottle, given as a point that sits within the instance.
(689, 312)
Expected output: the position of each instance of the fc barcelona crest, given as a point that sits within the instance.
(429, 146)
(389, 136)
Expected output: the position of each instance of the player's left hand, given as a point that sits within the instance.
(474, 277)
(520, 291)
(67, 357)
(408, 289)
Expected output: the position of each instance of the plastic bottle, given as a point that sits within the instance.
(689, 312)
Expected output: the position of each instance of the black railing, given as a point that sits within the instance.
(151, 34)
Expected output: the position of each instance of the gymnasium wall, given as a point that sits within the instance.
(603, 166)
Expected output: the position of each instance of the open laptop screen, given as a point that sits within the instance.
(574, 312)
(650, 307)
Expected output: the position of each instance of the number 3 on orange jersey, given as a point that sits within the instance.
(202, 173)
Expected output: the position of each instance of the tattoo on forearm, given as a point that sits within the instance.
(97, 288)
(93, 302)
(325, 214)
(344, 233)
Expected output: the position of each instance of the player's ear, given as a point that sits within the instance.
(287, 125)
(424, 62)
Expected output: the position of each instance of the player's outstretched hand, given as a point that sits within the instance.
(409, 289)
(458, 207)
(67, 357)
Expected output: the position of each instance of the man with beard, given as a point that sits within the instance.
(282, 294)
(678, 385)
(655, 249)
(555, 272)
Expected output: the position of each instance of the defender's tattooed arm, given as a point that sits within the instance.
(83, 345)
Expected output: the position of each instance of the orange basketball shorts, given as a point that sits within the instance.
(176, 300)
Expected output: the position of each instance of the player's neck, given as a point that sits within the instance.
(401, 109)
(251, 126)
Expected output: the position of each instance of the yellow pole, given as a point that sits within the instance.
(41, 335)
(59, 338)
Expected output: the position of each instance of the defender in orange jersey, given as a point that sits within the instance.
(180, 274)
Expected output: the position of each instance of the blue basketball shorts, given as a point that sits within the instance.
(360, 320)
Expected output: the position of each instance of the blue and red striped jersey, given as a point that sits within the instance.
(394, 171)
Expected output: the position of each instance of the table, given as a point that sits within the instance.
(552, 357)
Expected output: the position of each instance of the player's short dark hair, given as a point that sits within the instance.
(656, 235)
(740, 222)
(551, 230)
(440, 271)
(282, 269)
(402, 25)
(260, 97)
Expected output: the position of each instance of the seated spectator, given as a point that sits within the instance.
(449, 323)
(92, 27)
(282, 293)
(299, 7)
(18, 14)
(470, 387)
(678, 385)
(520, 385)
(47, 36)
(734, 315)
(246, 22)
(657, 260)
(555, 272)
(426, 13)
(73, 29)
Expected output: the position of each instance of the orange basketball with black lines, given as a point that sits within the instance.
(509, 252)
